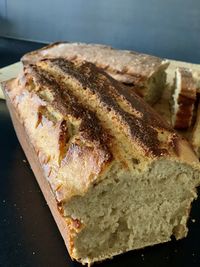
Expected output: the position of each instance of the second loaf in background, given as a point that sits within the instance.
(141, 72)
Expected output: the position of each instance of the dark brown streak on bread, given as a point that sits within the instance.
(67, 104)
(96, 80)
(88, 76)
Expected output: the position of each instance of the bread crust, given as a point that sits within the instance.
(68, 227)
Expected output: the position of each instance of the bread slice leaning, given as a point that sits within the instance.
(121, 177)
(143, 73)
(184, 98)
(195, 136)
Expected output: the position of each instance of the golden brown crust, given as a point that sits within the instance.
(67, 104)
(141, 128)
(68, 227)
(85, 158)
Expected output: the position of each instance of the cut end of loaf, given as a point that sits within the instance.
(131, 211)
(195, 137)
(155, 85)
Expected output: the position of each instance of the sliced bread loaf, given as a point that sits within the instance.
(121, 177)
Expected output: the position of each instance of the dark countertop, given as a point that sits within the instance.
(12, 50)
(28, 234)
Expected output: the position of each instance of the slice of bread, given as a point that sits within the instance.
(145, 73)
(121, 177)
(184, 98)
(163, 107)
(195, 137)
(196, 76)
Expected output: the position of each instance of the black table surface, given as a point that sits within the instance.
(28, 234)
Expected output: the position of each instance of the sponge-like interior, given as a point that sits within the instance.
(125, 212)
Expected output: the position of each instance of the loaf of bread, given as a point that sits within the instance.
(144, 73)
(184, 98)
(121, 177)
